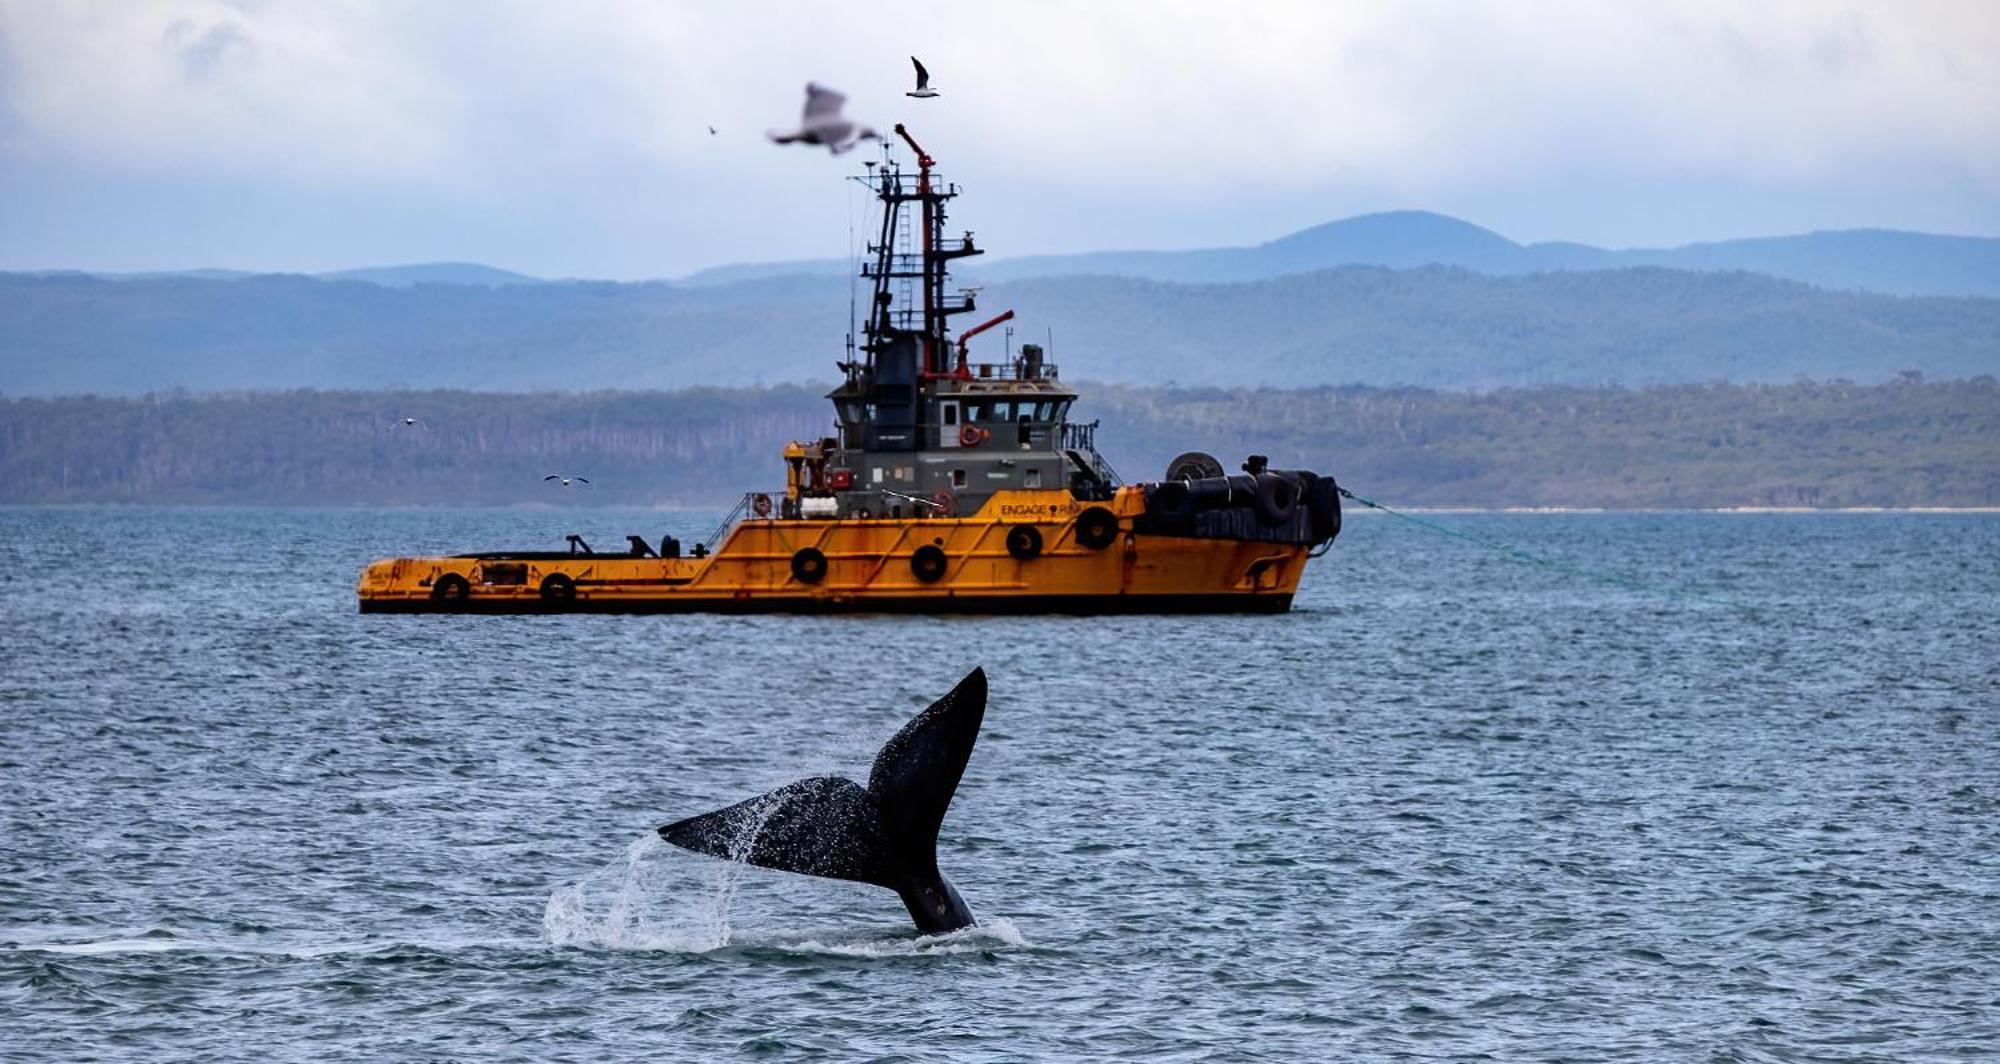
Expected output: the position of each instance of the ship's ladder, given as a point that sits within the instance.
(906, 303)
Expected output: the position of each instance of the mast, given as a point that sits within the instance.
(927, 323)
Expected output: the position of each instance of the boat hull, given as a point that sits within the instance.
(875, 565)
(1079, 605)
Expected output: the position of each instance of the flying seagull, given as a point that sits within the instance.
(823, 124)
(410, 422)
(924, 90)
(566, 479)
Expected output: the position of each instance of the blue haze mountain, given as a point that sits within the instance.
(1431, 327)
(1408, 298)
(1878, 260)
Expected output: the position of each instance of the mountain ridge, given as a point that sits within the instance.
(1888, 261)
(1435, 326)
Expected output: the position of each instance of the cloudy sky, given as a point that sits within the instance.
(570, 139)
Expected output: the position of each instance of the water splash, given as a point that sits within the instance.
(643, 901)
(650, 899)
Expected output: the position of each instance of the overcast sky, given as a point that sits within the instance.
(570, 139)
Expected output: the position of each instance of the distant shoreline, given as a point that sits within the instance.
(1906, 446)
(1686, 510)
(1348, 509)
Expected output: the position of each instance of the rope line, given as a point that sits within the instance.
(1556, 564)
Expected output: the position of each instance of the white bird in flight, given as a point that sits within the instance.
(924, 90)
(410, 422)
(823, 123)
(566, 479)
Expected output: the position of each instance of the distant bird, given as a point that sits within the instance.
(410, 422)
(924, 90)
(566, 479)
(822, 123)
(711, 131)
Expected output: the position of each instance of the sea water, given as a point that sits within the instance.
(1709, 786)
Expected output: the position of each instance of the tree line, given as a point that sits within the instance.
(1908, 442)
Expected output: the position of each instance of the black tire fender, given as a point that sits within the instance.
(929, 563)
(451, 588)
(558, 588)
(808, 565)
(1275, 499)
(1096, 527)
(1024, 542)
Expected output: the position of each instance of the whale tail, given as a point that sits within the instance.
(884, 834)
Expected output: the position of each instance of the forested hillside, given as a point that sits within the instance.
(1432, 327)
(1904, 443)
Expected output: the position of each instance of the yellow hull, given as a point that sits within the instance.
(868, 567)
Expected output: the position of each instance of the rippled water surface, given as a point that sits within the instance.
(1454, 805)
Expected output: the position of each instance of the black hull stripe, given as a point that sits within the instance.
(1072, 604)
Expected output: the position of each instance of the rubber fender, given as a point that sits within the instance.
(1211, 493)
(1096, 527)
(928, 563)
(808, 565)
(1024, 542)
(558, 588)
(1275, 498)
(1171, 501)
(451, 587)
(1323, 503)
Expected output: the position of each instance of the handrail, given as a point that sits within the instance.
(1006, 371)
(736, 514)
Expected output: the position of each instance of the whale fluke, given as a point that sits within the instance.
(884, 834)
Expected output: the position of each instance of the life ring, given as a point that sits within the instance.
(1096, 528)
(808, 565)
(760, 505)
(944, 504)
(558, 588)
(928, 563)
(451, 588)
(1275, 499)
(1024, 542)
(970, 435)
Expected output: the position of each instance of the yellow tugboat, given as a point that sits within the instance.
(952, 486)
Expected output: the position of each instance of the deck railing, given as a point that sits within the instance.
(1016, 370)
(744, 507)
(1082, 439)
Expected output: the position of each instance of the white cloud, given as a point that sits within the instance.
(596, 112)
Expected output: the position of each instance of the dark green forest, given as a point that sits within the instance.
(1908, 442)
